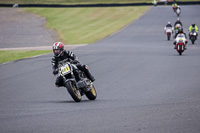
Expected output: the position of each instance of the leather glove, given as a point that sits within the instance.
(74, 62)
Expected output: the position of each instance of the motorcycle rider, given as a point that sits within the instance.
(178, 10)
(180, 31)
(169, 25)
(174, 6)
(154, 2)
(61, 54)
(176, 25)
(178, 7)
(178, 21)
(193, 26)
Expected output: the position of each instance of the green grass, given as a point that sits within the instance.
(79, 25)
(10, 55)
(87, 25)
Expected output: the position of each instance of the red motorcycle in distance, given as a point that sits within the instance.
(180, 43)
(174, 8)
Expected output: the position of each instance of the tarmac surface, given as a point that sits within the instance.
(143, 85)
(19, 29)
(26, 31)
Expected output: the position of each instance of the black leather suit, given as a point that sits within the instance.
(73, 59)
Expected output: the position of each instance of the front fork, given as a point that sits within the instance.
(72, 79)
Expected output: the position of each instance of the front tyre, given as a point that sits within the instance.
(75, 94)
(91, 94)
(180, 49)
(168, 37)
(192, 41)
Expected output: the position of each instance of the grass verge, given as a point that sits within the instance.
(10, 55)
(79, 25)
(87, 25)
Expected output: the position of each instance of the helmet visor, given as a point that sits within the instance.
(57, 52)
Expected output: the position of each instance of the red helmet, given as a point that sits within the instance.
(58, 48)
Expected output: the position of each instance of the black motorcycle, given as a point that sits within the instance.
(193, 35)
(76, 88)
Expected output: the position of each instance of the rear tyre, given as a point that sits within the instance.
(75, 94)
(92, 94)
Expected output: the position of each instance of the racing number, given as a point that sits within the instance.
(65, 69)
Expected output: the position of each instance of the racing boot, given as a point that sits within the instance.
(189, 36)
(186, 44)
(88, 74)
(174, 45)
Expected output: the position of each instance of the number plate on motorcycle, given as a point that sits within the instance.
(65, 69)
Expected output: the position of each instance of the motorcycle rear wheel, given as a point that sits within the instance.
(75, 94)
(91, 94)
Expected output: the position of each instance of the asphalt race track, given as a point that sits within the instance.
(143, 85)
(20, 29)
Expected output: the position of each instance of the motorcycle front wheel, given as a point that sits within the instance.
(91, 94)
(73, 91)
(168, 38)
(192, 39)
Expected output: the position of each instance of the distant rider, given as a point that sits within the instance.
(178, 21)
(169, 25)
(154, 2)
(61, 54)
(178, 7)
(180, 31)
(193, 26)
(174, 6)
